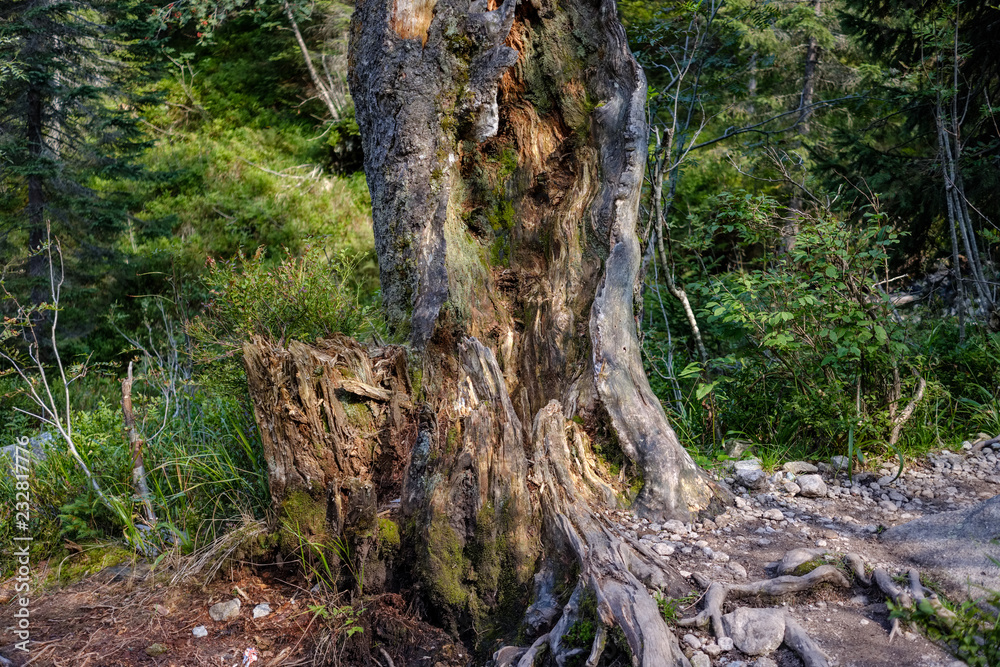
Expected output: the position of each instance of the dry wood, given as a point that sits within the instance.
(136, 443)
(797, 639)
(900, 420)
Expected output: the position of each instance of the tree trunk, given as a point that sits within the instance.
(809, 77)
(37, 266)
(504, 151)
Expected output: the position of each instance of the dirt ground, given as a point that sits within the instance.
(123, 618)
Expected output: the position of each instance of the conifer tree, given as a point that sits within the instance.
(69, 133)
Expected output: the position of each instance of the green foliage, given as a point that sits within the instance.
(205, 470)
(670, 608)
(299, 298)
(812, 345)
(972, 636)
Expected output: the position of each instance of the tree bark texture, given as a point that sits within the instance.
(504, 151)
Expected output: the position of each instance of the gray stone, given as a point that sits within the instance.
(839, 463)
(791, 488)
(692, 641)
(262, 610)
(954, 547)
(725, 643)
(773, 515)
(735, 447)
(699, 659)
(199, 631)
(663, 549)
(675, 526)
(755, 631)
(887, 505)
(737, 569)
(811, 486)
(712, 649)
(752, 478)
(764, 662)
(799, 468)
(225, 611)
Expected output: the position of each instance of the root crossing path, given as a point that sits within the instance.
(798, 571)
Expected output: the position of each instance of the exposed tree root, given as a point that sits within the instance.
(797, 639)
(607, 564)
(795, 636)
(717, 593)
(610, 591)
(915, 594)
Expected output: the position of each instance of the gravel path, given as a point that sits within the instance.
(815, 505)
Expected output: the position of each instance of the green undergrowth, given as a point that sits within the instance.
(974, 635)
(806, 351)
(205, 471)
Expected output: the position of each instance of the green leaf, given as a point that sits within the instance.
(704, 390)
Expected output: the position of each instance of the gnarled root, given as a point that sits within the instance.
(717, 593)
(797, 639)
(609, 568)
(914, 594)
(606, 563)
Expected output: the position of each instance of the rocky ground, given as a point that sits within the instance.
(116, 619)
(816, 506)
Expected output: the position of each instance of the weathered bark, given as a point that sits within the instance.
(504, 150)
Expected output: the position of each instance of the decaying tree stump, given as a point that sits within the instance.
(504, 150)
(337, 425)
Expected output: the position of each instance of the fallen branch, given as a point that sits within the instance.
(904, 416)
(135, 444)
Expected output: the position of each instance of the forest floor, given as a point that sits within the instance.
(123, 617)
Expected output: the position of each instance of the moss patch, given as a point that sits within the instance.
(446, 563)
(303, 516)
(91, 561)
(388, 534)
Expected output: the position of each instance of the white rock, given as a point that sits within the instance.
(225, 611)
(791, 488)
(692, 641)
(200, 631)
(725, 643)
(812, 486)
(699, 659)
(774, 515)
(755, 631)
(675, 526)
(262, 610)
(663, 549)
(799, 467)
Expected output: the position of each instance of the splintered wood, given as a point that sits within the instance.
(329, 413)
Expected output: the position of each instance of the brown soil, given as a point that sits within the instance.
(113, 618)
